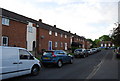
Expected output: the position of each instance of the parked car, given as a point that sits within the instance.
(16, 62)
(98, 49)
(117, 51)
(56, 57)
(89, 51)
(94, 50)
(80, 53)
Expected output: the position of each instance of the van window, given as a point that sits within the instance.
(24, 54)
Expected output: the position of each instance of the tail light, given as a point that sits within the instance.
(53, 54)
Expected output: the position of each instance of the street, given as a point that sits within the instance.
(101, 65)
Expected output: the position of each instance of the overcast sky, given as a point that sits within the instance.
(88, 18)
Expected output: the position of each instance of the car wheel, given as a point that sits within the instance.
(35, 71)
(59, 64)
(71, 61)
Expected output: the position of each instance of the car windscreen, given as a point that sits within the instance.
(87, 50)
(80, 50)
(48, 53)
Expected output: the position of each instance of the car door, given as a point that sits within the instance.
(66, 57)
(25, 62)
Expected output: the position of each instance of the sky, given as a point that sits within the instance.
(88, 18)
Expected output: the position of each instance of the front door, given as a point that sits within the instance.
(50, 45)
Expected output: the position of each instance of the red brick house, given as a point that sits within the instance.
(21, 31)
(52, 38)
(106, 44)
(15, 29)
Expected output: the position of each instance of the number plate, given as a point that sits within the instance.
(46, 58)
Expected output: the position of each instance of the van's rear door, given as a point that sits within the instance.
(9, 62)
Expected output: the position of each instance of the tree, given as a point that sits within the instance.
(105, 38)
(116, 36)
(96, 42)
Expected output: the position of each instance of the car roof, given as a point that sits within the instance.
(12, 47)
(52, 50)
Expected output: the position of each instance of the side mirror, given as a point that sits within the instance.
(31, 58)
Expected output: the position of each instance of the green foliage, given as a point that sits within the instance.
(96, 42)
(116, 36)
(105, 38)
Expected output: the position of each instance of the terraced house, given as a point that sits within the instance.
(21, 31)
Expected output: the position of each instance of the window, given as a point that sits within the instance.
(56, 44)
(61, 35)
(5, 41)
(30, 29)
(65, 36)
(5, 21)
(25, 55)
(61, 44)
(50, 32)
(55, 33)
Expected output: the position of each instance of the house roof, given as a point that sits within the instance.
(24, 19)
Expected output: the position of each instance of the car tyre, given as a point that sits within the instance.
(71, 61)
(35, 70)
(59, 64)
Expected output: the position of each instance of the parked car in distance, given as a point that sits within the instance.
(56, 57)
(80, 53)
(89, 51)
(94, 50)
(16, 62)
(117, 51)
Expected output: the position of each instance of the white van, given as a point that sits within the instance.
(15, 61)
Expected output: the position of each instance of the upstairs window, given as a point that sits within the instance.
(65, 36)
(50, 32)
(56, 34)
(5, 21)
(61, 35)
(30, 29)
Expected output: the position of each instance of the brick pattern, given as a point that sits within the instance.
(0, 30)
(16, 33)
(43, 42)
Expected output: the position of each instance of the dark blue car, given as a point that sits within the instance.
(57, 57)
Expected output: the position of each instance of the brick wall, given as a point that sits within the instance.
(43, 42)
(16, 33)
(0, 30)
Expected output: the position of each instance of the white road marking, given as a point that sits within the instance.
(96, 68)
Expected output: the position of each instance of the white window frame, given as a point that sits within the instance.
(56, 34)
(30, 29)
(5, 21)
(65, 36)
(6, 41)
(56, 44)
(61, 35)
(66, 46)
(61, 44)
(50, 32)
